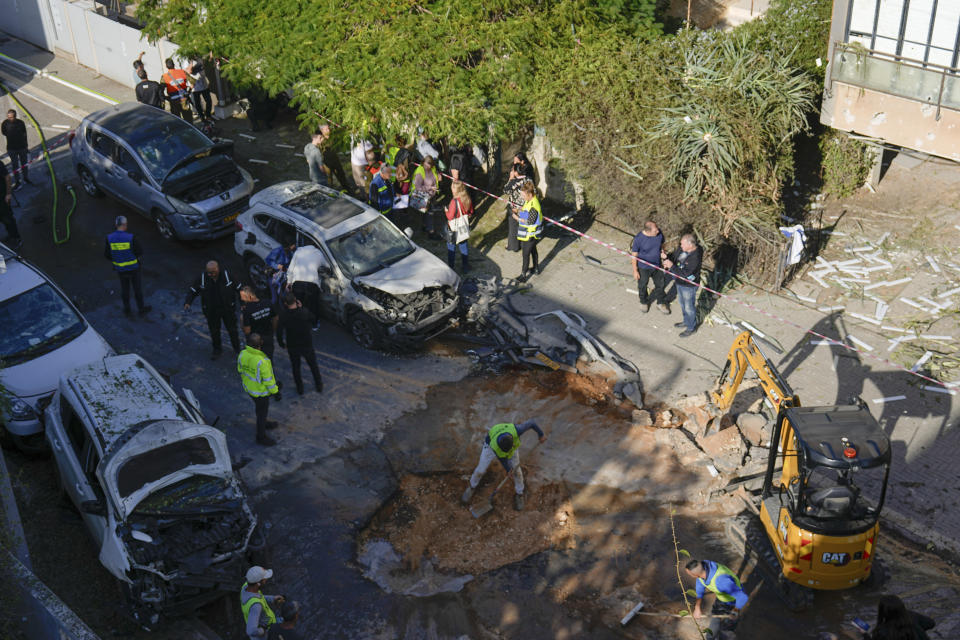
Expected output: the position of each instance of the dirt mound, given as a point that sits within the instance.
(426, 520)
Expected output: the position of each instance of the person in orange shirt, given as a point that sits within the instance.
(178, 88)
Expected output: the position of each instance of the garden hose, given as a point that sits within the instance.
(53, 176)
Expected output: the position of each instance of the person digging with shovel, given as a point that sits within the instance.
(503, 443)
(724, 583)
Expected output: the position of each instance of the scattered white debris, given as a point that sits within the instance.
(835, 360)
(300, 155)
(913, 304)
(713, 470)
(821, 343)
(876, 285)
(60, 126)
(752, 328)
(922, 361)
(857, 341)
(930, 387)
(243, 135)
(927, 336)
(957, 227)
(847, 263)
(818, 280)
(866, 247)
(888, 399)
(881, 310)
(826, 265)
(285, 146)
(806, 299)
(859, 316)
(878, 267)
(947, 294)
(254, 160)
(883, 237)
(933, 264)
(896, 342)
(891, 328)
(936, 306)
(898, 282)
(829, 309)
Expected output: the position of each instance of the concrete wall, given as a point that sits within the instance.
(75, 30)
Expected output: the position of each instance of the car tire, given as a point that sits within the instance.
(256, 270)
(88, 183)
(365, 330)
(164, 228)
(33, 445)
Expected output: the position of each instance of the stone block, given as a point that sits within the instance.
(726, 448)
(698, 420)
(753, 427)
(641, 418)
(696, 400)
(686, 451)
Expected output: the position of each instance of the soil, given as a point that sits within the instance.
(426, 520)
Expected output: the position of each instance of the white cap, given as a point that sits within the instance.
(256, 574)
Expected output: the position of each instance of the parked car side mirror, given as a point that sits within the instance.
(408, 232)
(251, 238)
(136, 176)
(94, 507)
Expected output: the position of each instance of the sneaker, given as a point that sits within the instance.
(523, 277)
(679, 324)
(536, 270)
(644, 307)
(147, 309)
(687, 333)
(664, 309)
(266, 441)
(465, 498)
(518, 501)
(272, 424)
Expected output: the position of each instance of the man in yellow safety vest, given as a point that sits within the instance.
(258, 615)
(724, 583)
(256, 374)
(503, 443)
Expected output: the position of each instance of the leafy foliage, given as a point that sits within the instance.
(846, 163)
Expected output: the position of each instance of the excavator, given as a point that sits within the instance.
(814, 524)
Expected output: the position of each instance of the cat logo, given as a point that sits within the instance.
(838, 559)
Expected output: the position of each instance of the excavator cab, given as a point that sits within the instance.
(823, 489)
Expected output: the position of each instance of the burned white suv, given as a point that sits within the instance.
(154, 485)
(370, 276)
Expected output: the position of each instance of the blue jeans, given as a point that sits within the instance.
(687, 297)
(462, 246)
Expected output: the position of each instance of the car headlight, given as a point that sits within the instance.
(193, 217)
(20, 410)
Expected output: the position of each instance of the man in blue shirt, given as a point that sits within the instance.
(724, 583)
(381, 191)
(647, 246)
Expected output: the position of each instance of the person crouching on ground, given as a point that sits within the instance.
(724, 583)
(503, 443)
(256, 606)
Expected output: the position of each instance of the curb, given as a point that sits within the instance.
(17, 84)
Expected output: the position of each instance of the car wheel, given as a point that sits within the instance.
(166, 230)
(256, 272)
(88, 183)
(365, 330)
(34, 445)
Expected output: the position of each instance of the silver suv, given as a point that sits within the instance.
(163, 167)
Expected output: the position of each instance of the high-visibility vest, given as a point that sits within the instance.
(391, 154)
(271, 617)
(712, 585)
(121, 251)
(527, 229)
(499, 429)
(256, 372)
(176, 81)
(381, 194)
(423, 172)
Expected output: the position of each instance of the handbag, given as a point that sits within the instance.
(459, 226)
(419, 200)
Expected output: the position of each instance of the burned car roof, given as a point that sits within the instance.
(332, 212)
(121, 391)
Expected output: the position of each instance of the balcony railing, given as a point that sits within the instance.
(888, 73)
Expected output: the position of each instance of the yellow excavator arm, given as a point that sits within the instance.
(745, 353)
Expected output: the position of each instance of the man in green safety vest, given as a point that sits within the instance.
(503, 443)
(257, 609)
(256, 374)
(124, 252)
(724, 583)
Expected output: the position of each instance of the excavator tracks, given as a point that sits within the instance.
(747, 531)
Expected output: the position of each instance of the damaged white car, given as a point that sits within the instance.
(154, 485)
(361, 269)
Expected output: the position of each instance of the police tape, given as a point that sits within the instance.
(57, 141)
(939, 386)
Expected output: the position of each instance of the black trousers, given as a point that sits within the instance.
(332, 160)
(311, 359)
(229, 320)
(261, 405)
(128, 279)
(658, 293)
(8, 221)
(267, 347)
(18, 165)
(208, 103)
(529, 248)
(309, 296)
(513, 244)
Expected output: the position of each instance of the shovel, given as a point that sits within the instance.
(487, 506)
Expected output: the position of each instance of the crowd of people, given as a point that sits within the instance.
(185, 90)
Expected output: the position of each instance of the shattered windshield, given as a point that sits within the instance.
(35, 322)
(374, 246)
(156, 464)
(161, 147)
(196, 493)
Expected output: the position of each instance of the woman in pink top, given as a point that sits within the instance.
(458, 225)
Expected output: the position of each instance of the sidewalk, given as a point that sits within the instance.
(595, 282)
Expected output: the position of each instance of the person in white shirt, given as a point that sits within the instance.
(358, 163)
(201, 89)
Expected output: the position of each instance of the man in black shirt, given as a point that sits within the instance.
(6, 213)
(260, 317)
(218, 295)
(296, 328)
(148, 91)
(15, 131)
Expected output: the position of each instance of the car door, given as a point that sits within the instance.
(129, 181)
(264, 241)
(331, 291)
(104, 169)
(72, 447)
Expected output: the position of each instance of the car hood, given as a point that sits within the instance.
(217, 147)
(42, 374)
(419, 270)
(152, 435)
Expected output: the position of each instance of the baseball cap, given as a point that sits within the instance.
(256, 574)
